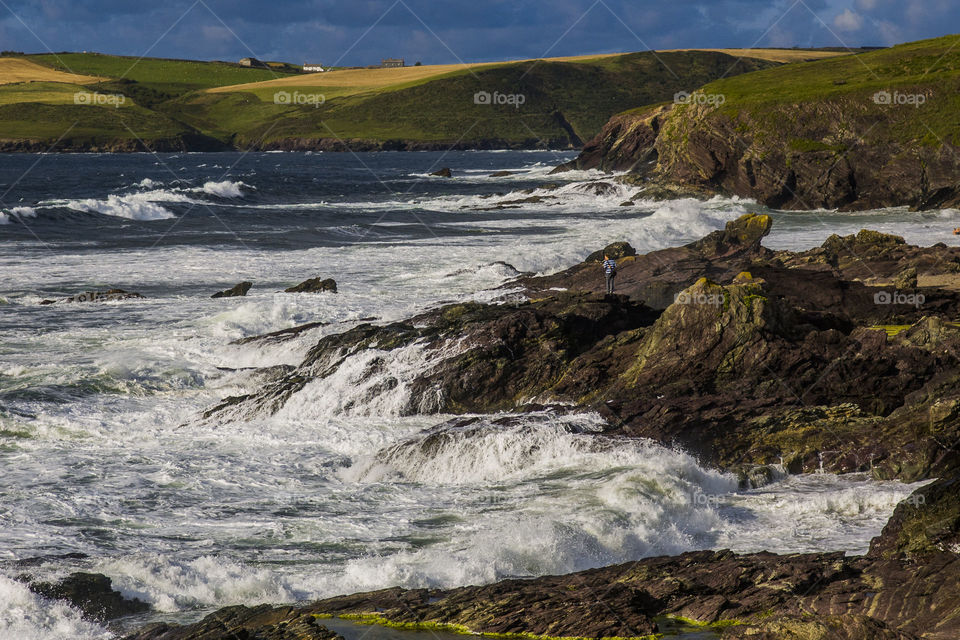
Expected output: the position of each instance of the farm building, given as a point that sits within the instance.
(253, 62)
(312, 67)
(392, 62)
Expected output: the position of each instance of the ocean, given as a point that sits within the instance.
(104, 454)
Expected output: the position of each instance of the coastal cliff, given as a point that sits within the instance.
(862, 132)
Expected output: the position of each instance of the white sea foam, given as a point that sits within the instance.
(225, 188)
(209, 580)
(136, 206)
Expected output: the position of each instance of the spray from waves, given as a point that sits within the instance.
(372, 382)
(134, 206)
(224, 189)
(26, 616)
(145, 205)
(18, 213)
(206, 581)
(539, 495)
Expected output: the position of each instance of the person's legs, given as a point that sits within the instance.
(609, 283)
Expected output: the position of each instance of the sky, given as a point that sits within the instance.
(361, 32)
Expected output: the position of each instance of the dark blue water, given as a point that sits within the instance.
(287, 200)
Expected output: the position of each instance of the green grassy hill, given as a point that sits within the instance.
(208, 105)
(564, 103)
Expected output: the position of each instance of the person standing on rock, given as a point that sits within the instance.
(610, 269)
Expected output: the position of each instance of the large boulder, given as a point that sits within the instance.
(615, 251)
(314, 285)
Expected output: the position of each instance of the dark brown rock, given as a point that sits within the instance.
(244, 623)
(443, 173)
(236, 291)
(92, 594)
(110, 295)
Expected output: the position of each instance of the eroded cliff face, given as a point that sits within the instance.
(848, 153)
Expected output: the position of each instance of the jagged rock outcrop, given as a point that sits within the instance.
(787, 363)
(92, 594)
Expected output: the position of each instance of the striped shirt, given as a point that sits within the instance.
(609, 266)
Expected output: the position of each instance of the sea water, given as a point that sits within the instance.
(103, 450)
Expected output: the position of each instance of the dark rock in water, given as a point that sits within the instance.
(596, 188)
(906, 279)
(627, 203)
(237, 291)
(98, 296)
(615, 251)
(244, 623)
(443, 173)
(39, 560)
(314, 285)
(501, 174)
(283, 334)
(92, 594)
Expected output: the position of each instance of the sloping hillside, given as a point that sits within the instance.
(112, 103)
(544, 103)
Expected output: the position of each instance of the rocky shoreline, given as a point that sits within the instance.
(844, 358)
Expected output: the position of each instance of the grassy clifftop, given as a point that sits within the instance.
(872, 130)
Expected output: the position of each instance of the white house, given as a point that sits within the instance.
(312, 67)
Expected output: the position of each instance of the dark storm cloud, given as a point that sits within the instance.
(435, 32)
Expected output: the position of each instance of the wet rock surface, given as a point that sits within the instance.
(92, 594)
(244, 623)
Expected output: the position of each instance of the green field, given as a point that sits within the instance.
(175, 103)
